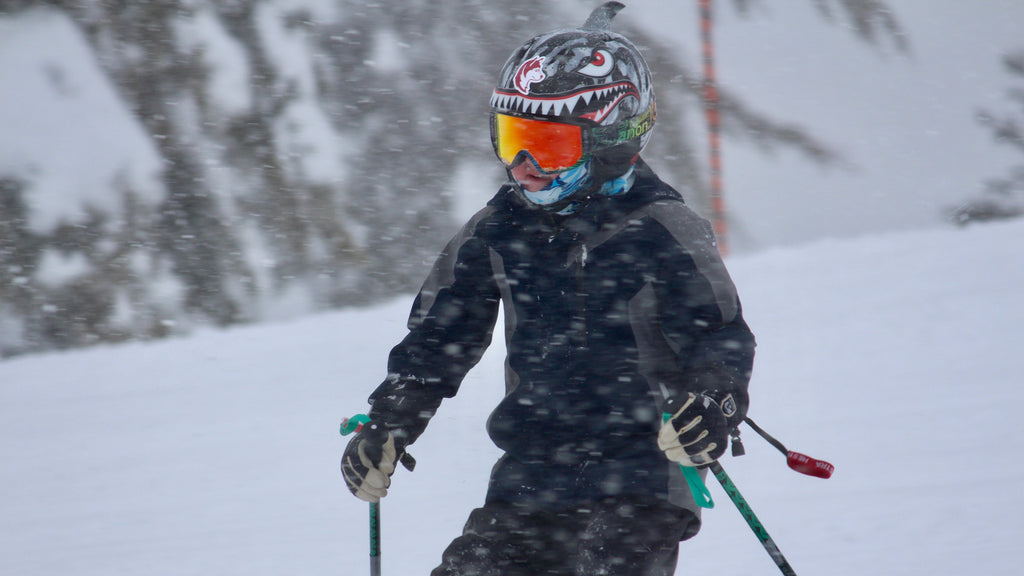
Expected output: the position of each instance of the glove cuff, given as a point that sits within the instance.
(734, 409)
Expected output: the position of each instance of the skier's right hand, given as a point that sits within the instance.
(369, 462)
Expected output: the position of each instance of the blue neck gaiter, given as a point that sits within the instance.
(572, 181)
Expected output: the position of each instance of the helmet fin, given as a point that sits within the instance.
(602, 16)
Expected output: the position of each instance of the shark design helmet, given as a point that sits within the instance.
(572, 96)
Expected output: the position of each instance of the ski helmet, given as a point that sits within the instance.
(575, 95)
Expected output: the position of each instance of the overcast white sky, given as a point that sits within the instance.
(906, 121)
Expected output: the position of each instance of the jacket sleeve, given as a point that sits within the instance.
(699, 314)
(450, 327)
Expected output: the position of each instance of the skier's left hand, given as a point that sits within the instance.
(369, 462)
(697, 432)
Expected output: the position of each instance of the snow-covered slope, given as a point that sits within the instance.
(896, 357)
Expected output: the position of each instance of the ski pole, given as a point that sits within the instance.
(354, 424)
(748, 514)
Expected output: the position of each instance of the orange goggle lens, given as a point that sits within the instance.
(555, 146)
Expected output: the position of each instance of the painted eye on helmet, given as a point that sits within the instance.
(600, 64)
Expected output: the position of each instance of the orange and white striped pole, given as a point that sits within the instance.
(711, 107)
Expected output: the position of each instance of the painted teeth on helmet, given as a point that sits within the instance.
(558, 106)
(571, 102)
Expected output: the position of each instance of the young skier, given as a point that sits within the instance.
(617, 309)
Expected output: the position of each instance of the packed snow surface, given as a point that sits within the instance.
(897, 357)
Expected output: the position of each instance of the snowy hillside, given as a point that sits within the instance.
(896, 357)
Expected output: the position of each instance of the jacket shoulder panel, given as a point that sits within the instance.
(442, 275)
(696, 237)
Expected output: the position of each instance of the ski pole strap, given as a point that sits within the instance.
(798, 462)
(701, 494)
(697, 487)
(771, 439)
(748, 514)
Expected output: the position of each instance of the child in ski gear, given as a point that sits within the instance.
(617, 309)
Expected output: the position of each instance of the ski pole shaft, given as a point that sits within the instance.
(348, 426)
(751, 518)
(374, 539)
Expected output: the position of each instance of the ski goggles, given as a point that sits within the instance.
(554, 146)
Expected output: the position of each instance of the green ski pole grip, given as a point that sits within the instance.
(698, 488)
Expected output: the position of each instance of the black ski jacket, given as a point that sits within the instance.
(607, 312)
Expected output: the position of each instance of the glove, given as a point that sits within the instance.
(697, 432)
(369, 462)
